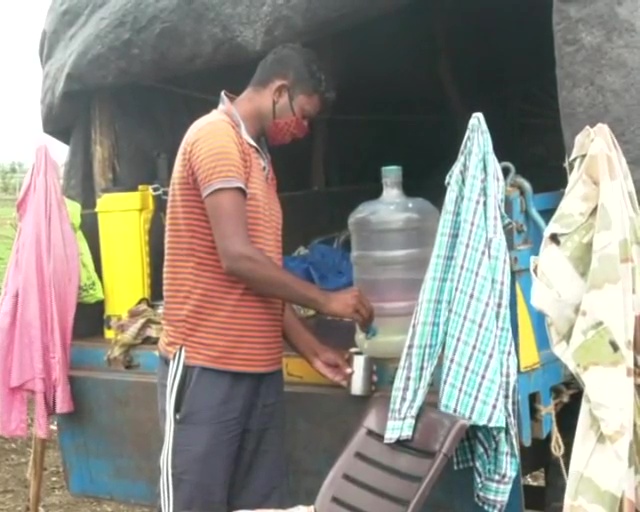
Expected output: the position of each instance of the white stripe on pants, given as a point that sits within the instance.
(176, 368)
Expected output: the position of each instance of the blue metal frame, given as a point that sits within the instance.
(530, 212)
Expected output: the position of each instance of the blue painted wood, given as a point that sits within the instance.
(91, 355)
(110, 445)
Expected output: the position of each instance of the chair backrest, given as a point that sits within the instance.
(372, 476)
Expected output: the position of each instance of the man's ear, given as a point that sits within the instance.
(279, 89)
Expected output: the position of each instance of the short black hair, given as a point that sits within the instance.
(298, 65)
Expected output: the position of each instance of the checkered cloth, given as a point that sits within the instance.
(142, 325)
(463, 315)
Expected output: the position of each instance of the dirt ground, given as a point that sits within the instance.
(14, 487)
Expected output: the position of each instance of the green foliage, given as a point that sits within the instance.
(11, 176)
(7, 231)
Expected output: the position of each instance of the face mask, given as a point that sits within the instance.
(283, 131)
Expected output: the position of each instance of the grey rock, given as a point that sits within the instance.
(598, 65)
(90, 44)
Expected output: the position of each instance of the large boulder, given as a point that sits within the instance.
(598, 66)
(90, 44)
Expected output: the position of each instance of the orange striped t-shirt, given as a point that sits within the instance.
(220, 322)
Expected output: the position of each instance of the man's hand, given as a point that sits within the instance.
(329, 362)
(350, 304)
(332, 364)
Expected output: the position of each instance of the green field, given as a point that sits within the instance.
(7, 230)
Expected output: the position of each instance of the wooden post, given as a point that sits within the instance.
(318, 175)
(103, 144)
(320, 128)
(440, 24)
(36, 472)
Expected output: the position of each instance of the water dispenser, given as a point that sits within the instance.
(392, 238)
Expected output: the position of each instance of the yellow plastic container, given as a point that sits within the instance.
(124, 219)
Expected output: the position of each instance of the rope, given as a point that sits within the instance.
(562, 395)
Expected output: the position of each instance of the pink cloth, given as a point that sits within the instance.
(37, 305)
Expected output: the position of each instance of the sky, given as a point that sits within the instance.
(21, 23)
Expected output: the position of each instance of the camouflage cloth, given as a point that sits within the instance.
(586, 282)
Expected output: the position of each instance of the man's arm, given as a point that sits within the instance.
(298, 335)
(327, 361)
(217, 166)
(226, 209)
(227, 214)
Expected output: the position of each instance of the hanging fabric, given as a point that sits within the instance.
(587, 283)
(90, 290)
(463, 320)
(37, 305)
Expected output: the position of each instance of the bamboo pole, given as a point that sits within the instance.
(320, 129)
(35, 472)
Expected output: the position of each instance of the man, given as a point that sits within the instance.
(228, 299)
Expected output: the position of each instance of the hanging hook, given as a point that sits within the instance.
(511, 171)
(527, 191)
